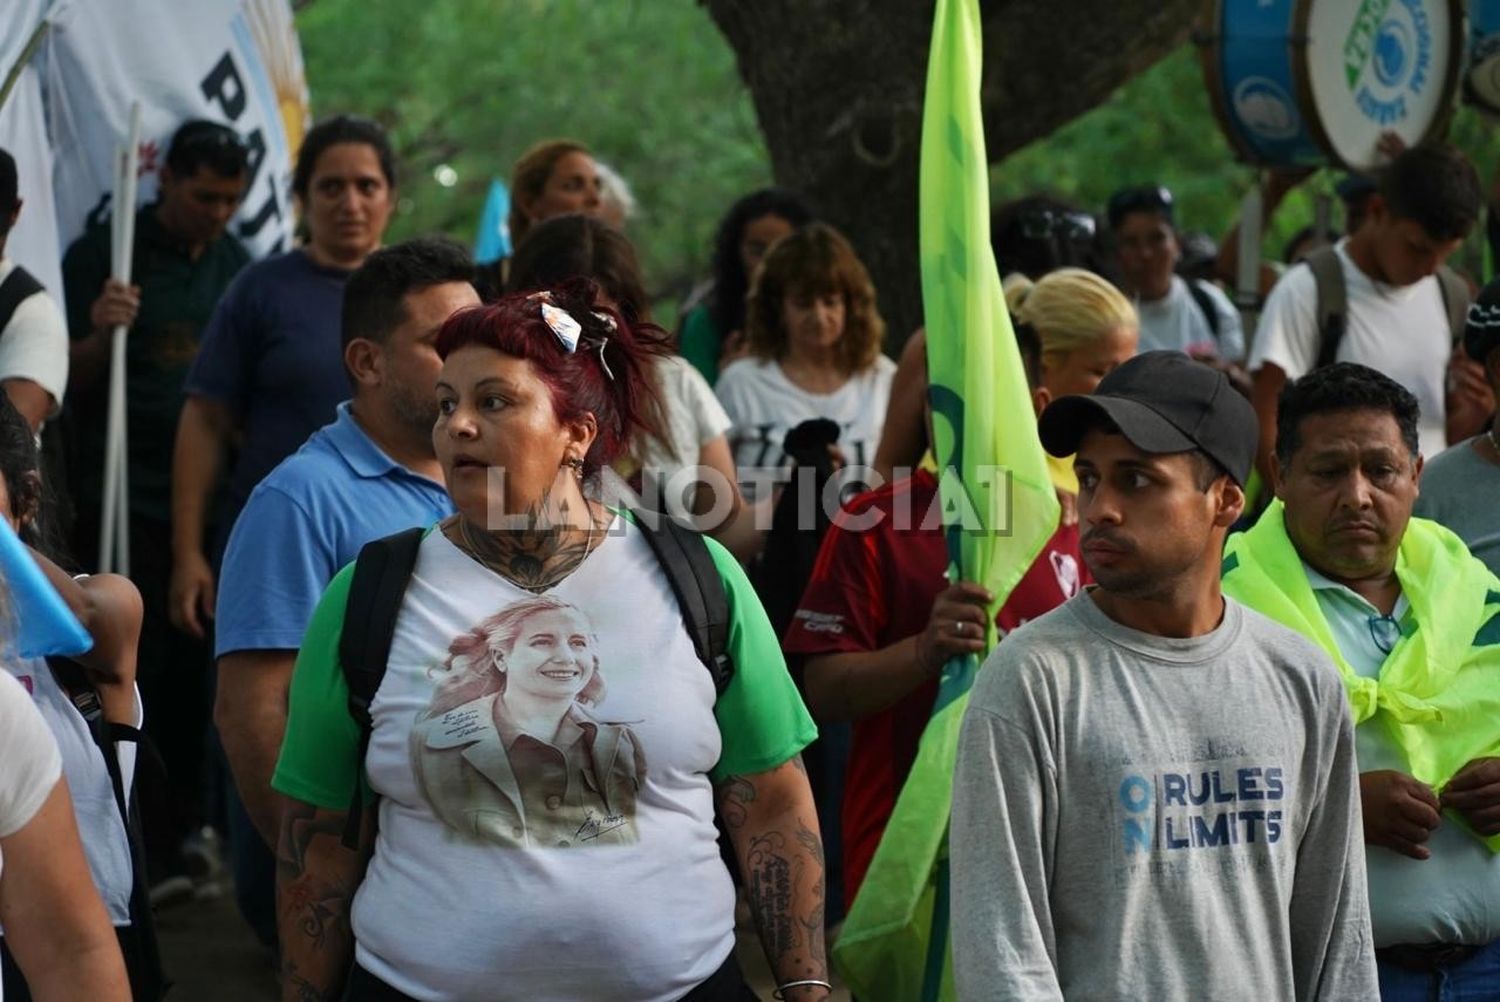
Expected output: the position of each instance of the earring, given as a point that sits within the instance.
(575, 464)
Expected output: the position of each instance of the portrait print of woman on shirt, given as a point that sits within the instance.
(509, 751)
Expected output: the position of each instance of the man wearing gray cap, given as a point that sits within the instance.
(1156, 794)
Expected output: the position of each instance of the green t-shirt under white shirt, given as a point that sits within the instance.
(507, 867)
(1454, 897)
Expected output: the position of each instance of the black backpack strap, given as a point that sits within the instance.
(1205, 305)
(18, 287)
(1333, 303)
(148, 979)
(695, 580)
(381, 573)
(1455, 301)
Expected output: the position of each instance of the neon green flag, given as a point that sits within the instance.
(1000, 509)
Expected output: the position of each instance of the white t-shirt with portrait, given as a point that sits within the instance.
(30, 764)
(764, 405)
(527, 855)
(1401, 331)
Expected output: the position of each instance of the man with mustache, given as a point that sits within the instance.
(1412, 620)
(369, 473)
(1155, 794)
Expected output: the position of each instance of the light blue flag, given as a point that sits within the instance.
(42, 622)
(493, 242)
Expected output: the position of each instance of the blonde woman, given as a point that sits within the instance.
(1086, 326)
(814, 336)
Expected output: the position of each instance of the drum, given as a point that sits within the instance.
(1482, 81)
(1309, 82)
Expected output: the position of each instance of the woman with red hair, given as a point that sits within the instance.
(524, 850)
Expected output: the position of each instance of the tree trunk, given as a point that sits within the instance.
(838, 84)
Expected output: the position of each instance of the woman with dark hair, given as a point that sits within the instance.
(109, 608)
(268, 373)
(689, 460)
(712, 333)
(513, 779)
(270, 369)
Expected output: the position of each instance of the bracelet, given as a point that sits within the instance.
(777, 994)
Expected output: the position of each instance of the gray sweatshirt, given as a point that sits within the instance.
(1140, 817)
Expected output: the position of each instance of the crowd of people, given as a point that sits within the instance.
(407, 636)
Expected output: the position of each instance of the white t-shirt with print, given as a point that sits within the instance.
(1400, 330)
(34, 345)
(764, 405)
(30, 765)
(106, 845)
(662, 921)
(1176, 323)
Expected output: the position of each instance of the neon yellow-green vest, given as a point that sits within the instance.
(1438, 693)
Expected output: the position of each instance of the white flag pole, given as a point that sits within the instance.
(114, 534)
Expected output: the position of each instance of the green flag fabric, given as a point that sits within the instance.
(999, 503)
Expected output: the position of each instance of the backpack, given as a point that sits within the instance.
(1333, 302)
(384, 566)
(19, 286)
(138, 941)
(1205, 305)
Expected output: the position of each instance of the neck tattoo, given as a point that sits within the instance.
(539, 553)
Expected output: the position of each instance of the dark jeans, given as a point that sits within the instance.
(727, 984)
(1474, 979)
(173, 676)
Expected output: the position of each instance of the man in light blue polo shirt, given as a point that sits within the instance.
(1412, 620)
(370, 473)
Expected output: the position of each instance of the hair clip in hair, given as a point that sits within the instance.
(602, 363)
(563, 325)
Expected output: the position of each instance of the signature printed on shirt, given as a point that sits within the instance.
(593, 827)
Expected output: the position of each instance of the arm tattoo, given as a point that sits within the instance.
(531, 550)
(769, 882)
(783, 863)
(735, 794)
(315, 883)
(812, 922)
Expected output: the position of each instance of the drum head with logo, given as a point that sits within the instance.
(1373, 66)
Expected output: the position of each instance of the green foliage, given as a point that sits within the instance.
(651, 86)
